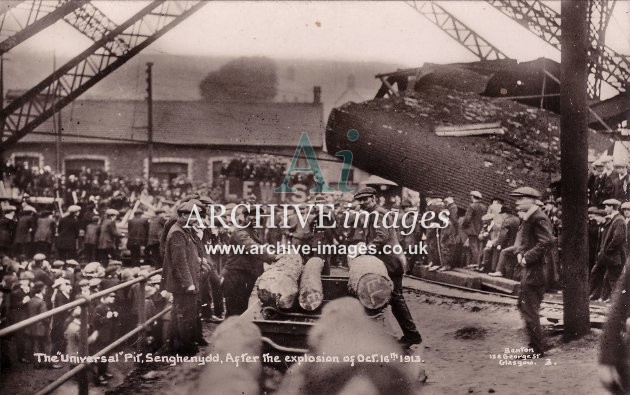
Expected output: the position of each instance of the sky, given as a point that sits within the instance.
(355, 30)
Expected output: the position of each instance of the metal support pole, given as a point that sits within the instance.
(84, 349)
(574, 167)
(149, 118)
(142, 314)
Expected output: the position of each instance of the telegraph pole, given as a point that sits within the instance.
(149, 117)
(574, 168)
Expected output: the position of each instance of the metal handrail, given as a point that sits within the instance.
(83, 338)
(79, 302)
(71, 373)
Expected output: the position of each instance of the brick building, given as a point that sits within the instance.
(191, 138)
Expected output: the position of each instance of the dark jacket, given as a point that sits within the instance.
(380, 236)
(138, 231)
(472, 220)
(181, 260)
(25, 229)
(104, 323)
(251, 264)
(45, 230)
(156, 225)
(533, 239)
(620, 187)
(109, 235)
(613, 348)
(7, 231)
(508, 231)
(92, 232)
(611, 251)
(68, 232)
(34, 307)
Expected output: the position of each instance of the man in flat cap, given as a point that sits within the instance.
(603, 183)
(471, 225)
(156, 226)
(108, 237)
(533, 240)
(611, 253)
(380, 236)
(182, 267)
(8, 224)
(137, 236)
(24, 230)
(68, 233)
(619, 178)
(240, 271)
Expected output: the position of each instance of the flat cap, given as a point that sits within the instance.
(111, 211)
(205, 200)
(188, 206)
(319, 199)
(625, 206)
(27, 275)
(29, 209)
(94, 282)
(58, 263)
(74, 209)
(598, 163)
(111, 269)
(60, 281)
(528, 192)
(365, 192)
(72, 262)
(8, 209)
(38, 287)
(114, 262)
(84, 282)
(611, 202)
(476, 194)
(39, 257)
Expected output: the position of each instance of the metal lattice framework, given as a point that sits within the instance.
(24, 114)
(30, 17)
(605, 63)
(599, 13)
(457, 30)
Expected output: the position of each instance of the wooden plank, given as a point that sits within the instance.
(476, 132)
(471, 126)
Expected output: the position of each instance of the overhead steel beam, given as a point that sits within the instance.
(599, 13)
(32, 17)
(544, 22)
(457, 30)
(25, 113)
(90, 22)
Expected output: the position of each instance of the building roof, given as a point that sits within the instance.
(187, 123)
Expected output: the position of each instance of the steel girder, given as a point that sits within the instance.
(611, 67)
(30, 18)
(457, 30)
(25, 113)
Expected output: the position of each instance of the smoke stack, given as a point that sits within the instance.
(317, 95)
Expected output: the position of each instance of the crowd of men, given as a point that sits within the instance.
(50, 259)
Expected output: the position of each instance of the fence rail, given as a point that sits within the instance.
(143, 324)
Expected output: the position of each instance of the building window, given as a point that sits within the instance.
(30, 159)
(170, 168)
(76, 164)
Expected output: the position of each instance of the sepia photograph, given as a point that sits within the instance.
(314, 197)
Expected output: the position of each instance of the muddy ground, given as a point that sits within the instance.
(461, 348)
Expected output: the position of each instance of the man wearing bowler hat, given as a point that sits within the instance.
(534, 238)
(379, 236)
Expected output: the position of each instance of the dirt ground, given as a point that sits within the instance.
(460, 340)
